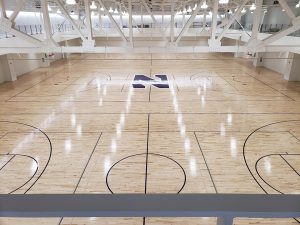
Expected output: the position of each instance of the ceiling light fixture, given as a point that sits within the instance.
(297, 6)
(253, 7)
(223, 1)
(110, 10)
(116, 11)
(58, 11)
(49, 8)
(184, 11)
(101, 9)
(70, 2)
(189, 9)
(195, 6)
(244, 10)
(204, 5)
(93, 5)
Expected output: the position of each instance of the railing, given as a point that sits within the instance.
(225, 207)
(273, 28)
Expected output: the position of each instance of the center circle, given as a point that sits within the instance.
(128, 175)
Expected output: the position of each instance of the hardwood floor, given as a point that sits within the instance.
(80, 127)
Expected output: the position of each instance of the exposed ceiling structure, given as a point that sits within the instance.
(223, 14)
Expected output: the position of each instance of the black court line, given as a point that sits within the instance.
(145, 113)
(206, 164)
(35, 172)
(294, 135)
(84, 169)
(3, 135)
(174, 80)
(245, 160)
(31, 177)
(50, 152)
(147, 154)
(268, 85)
(290, 164)
(87, 163)
(125, 82)
(7, 161)
(244, 149)
(142, 154)
(54, 74)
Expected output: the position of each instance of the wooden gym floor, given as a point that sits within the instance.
(79, 126)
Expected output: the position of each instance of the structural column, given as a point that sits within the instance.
(292, 67)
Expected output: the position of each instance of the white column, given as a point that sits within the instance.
(292, 67)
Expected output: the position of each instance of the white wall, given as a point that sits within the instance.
(276, 61)
(24, 63)
(14, 65)
(294, 74)
(4, 69)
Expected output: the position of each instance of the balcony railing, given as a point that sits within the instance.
(225, 207)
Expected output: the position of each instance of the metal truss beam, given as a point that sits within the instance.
(189, 22)
(47, 23)
(281, 34)
(232, 19)
(6, 25)
(88, 20)
(19, 7)
(214, 20)
(149, 11)
(113, 21)
(68, 17)
(287, 9)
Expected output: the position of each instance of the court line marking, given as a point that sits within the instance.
(53, 75)
(290, 164)
(147, 154)
(206, 164)
(269, 86)
(7, 161)
(50, 152)
(294, 135)
(244, 154)
(154, 113)
(84, 169)
(261, 177)
(86, 165)
(158, 101)
(125, 82)
(141, 154)
(4, 135)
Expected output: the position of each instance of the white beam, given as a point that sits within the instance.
(68, 17)
(2, 7)
(287, 9)
(189, 22)
(232, 19)
(6, 25)
(130, 22)
(88, 20)
(134, 22)
(120, 15)
(172, 23)
(281, 34)
(100, 18)
(256, 19)
(214, 20)
(223, 23)
(149, 11)
(204, 20)
(47, 23)
(112, 20)
(18, 8)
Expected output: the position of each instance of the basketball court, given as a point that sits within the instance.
(213, 124)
